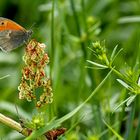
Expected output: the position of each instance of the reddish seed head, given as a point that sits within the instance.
(34, 75)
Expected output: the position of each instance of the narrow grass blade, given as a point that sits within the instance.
(139, 81)
(129, 19)
(113, 53)
(131, 99)
(113, 131)
(116, 55)
(58, 122)
(10, 107)
(124, 84)
(4, 77)
(130, 123)
(97, 64)
(97, 68)
(91, 49)
(128, 101)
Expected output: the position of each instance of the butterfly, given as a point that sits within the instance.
(12, 35)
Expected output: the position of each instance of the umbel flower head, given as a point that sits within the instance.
(35, 85)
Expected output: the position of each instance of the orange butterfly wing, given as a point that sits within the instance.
(12, 35)
(7, 24)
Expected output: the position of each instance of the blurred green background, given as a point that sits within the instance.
(77, 23)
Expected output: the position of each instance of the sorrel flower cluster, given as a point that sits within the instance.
(35, 85)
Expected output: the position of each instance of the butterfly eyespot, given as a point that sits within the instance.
(2, 23)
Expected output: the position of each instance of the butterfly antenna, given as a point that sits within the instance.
(17, 112)
(32, 26)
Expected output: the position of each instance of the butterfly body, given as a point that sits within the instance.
(12, 35)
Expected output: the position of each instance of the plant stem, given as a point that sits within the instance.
(124, 78)
(52, 51)
(78, 27)
(13, 124)
(117, 72)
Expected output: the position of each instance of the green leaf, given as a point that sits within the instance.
(113, 131)
(139, 81)
(94, 27)
(91, 50)
(97, 64)
(129, 19)
(4, 77)
(97, 68)
(116, 107)
(11, 107)
(131, 99)
(124, 84)
(114, 54)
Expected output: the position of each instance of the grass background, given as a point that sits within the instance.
(74, 26)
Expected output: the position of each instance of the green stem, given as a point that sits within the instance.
(129, 81)
(84, 18)
(13, 124)
(117, 72)
(129, 124)
(52, 50)
(78, 27)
